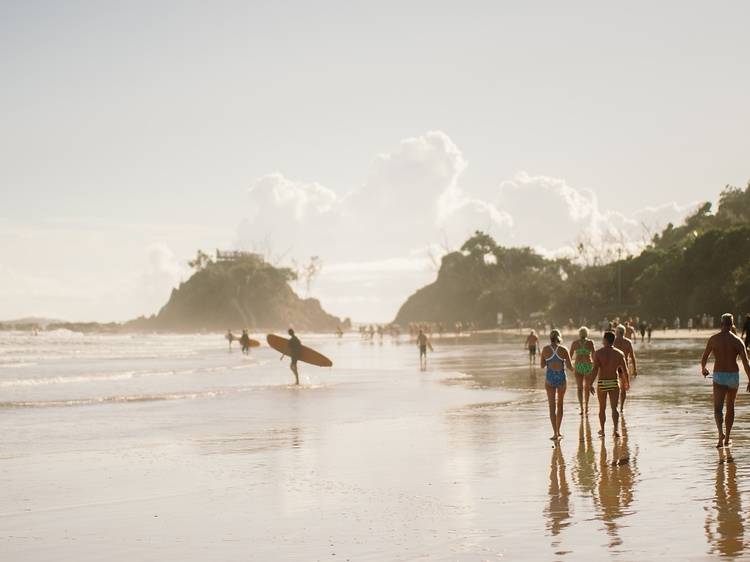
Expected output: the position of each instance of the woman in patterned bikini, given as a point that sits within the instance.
(583, 351)
(555, 357)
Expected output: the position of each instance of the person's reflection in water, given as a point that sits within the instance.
(584, 471)
(615, 490)
(724, 525)
(558, 509)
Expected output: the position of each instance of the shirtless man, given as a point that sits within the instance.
(609, 365)
(726, 348)
(532, 342)
(629, 331)
(423, 342)
(626, 346)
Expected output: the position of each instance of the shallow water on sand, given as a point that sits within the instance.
(171, 448)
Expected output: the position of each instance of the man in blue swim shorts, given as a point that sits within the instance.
(726, 348)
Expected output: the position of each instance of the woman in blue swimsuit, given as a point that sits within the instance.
(555, 358)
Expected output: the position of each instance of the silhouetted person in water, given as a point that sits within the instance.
(295, 347)
(423, 343)
(726, 348)
(245, 342)
(230, 338)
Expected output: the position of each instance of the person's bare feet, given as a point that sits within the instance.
(727, 442)
(615, 433)
(720, 444)
(601, 432)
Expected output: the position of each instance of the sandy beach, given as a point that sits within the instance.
(171, 448)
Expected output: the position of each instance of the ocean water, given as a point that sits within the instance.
(167, 447)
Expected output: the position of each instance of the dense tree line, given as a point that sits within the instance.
(701, 266)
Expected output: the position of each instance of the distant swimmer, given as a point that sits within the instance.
(726, 348)
(555, 357)
(245, 342)
(295, 347)
(532, 342)
(230, 338)
(423, 342)
(582, 351)
(609, 364)
(625, 345)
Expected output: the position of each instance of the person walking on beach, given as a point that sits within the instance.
(582, 351)
(555, 357)
(629, 331)
(726, 347)
(245, 342)
(423, 343)
(626, 346)
(532, 342)
(746, 331)
(230, 338)
(642, 329)
(295, 347)
(609, 365)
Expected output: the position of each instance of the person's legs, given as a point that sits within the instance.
(720, 393)
(729, 418)
(586, 392)
(579, 390)
(613, 399)
(623, 393)
(602, 396)
(560, 396)
(293, 367)
(552, 409)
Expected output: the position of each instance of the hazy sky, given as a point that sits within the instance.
(372, 134)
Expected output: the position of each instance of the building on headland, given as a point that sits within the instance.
(235, 255)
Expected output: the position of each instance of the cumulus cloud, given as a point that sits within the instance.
(410, 198)
(380, 239)
(161, 273)
(299, 199)
(552, 216)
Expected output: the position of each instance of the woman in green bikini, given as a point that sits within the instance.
(582, 351)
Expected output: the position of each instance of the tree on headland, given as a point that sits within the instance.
(202, 259)
(700, 266)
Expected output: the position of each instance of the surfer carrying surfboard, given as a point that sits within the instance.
(423, 342)
(295, 347)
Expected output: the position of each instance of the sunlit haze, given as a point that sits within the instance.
(376, 136)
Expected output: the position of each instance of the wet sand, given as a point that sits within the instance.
(372, 460)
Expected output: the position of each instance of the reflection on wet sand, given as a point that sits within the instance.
(557, 511)
(724, 523)
(584, 470)
(614, 494)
